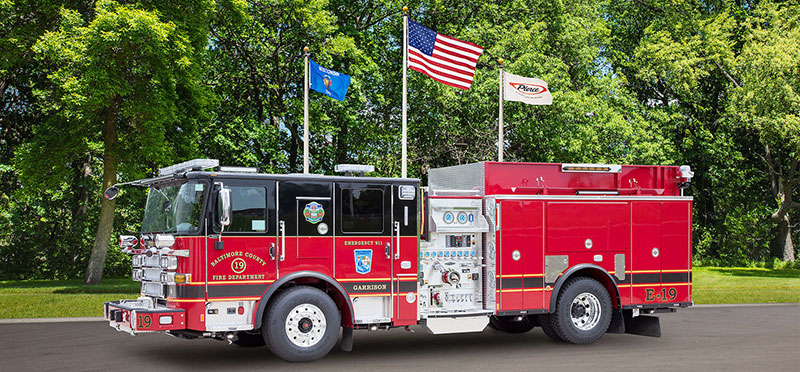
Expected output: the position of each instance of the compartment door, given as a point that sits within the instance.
(676, 253)
(646, 253)
(521, 252)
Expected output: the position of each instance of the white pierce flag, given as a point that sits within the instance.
(529, 90)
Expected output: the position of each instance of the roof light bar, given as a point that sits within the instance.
(239, 169)
(196, 164)
(353, 168)
(596, 168)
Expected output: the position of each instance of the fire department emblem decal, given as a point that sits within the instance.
(363, 260)
(314, 212)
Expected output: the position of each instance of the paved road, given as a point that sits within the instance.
(710, 339)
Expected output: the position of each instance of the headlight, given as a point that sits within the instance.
(164, 240)
(169, 262)
(168, 278)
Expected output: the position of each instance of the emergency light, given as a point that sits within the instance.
(195, 164)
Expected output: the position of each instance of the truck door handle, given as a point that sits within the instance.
(388, 250)
(283, 240)
(272, 251)
(397, 236)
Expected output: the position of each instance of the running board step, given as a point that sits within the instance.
(461, 324)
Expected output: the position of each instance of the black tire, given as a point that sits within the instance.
(245, 339)
(277, 325)
(584, 291)
(508, 324)
(545, 321)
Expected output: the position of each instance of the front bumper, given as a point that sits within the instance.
(142, 315)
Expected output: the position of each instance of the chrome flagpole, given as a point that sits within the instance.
(500, 141)
(305, 111)
(405, 93)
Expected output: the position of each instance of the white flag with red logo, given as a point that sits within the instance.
(529, 90)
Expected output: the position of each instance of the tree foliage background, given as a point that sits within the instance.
(714, 84)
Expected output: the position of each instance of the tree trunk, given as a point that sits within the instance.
(94, 272)
(785, 239)
(82, 197)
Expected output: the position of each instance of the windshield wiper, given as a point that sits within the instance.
(168, 203)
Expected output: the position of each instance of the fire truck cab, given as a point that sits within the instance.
(290, 260)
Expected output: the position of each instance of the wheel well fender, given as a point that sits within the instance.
(590, 271)
(313, 279)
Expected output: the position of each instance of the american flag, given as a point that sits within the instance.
(445, 59)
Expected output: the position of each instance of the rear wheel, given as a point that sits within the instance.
(301, 324)
(510, 324)
(583, 311)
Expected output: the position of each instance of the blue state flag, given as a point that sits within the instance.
(328, 82)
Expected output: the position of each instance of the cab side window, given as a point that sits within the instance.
(249, 207)
(362, 211)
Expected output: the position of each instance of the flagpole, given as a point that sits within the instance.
(305, 111)
(405, 92)
(500, 141)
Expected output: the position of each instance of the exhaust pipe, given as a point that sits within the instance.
(231, 337)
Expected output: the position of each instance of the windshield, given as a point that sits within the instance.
(173, 208)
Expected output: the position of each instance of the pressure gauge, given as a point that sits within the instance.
(448, 217)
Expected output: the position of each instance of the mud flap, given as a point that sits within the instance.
(642, 325)
(347, 339)
(617, 322)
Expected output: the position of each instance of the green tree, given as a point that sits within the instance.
(765, 98)
(118, 85)
(677, 57)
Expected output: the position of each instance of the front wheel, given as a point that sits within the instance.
(583, 311)
(301, 324)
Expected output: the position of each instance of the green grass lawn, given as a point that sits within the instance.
(725, 285)
(61, 298)
(70, 298)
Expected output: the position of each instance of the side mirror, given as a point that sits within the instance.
(111, 193)
(225, 204)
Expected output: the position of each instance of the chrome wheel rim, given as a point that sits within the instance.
(585, 311)
(305, 325)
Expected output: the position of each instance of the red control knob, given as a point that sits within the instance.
(451, 277)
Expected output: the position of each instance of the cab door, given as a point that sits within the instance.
(242, 256)
(364, 248)
(405, 246)
(305, 233)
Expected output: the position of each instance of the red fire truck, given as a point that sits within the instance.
(579, 250)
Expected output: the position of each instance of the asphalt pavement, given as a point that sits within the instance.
(738, 338)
